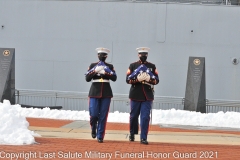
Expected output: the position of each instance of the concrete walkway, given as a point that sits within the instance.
(80, 130)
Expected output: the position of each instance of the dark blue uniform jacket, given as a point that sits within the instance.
(100, 89)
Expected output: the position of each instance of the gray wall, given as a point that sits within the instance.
(55, 42)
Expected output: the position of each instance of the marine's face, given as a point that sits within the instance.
(142, 54)
(102, 56)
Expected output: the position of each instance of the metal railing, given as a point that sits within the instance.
(120, 102)
(222, 105)
(214, 2)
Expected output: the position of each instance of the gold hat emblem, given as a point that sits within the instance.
(196, 62)
(6, 52)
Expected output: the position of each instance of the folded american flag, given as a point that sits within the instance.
(142, 68)
(106, 68)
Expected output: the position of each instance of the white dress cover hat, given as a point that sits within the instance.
(102, 50)
(142, 49)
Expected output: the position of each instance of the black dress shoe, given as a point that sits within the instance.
(100, 140)
(93, 134)
(131, 137)
(144, 141)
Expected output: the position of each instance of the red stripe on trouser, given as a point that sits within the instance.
(106, 121)
(129, 116)
(89, 112)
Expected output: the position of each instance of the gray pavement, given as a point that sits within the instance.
(81, 130)
(78, 124)
(198, 127)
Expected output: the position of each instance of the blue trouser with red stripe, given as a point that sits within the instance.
(98, 110)
(143, 109)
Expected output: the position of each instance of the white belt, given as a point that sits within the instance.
(100, 80)
(144, 82)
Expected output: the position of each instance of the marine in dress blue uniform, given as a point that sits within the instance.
(141, 95)
(100, 94)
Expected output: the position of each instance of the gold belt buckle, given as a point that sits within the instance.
(101, 80)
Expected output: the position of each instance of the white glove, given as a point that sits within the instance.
(98, 69)
(102, 71)
(147, 77)
(141, 77)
